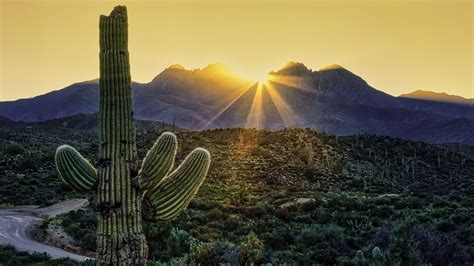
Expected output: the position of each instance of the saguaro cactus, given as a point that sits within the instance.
(128, 191)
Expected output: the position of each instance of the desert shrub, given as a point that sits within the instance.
(10, 256)
(251, 250)
(438, 249)
(217, 214)
(27, 164)
(206, 233)
(327, 242)
(259, 151)
(203, 205)
(216, 253)
(14, 149)
(159, 247)
(279, 238)
(382, 237)
(446, 226)
(81, 225)
(314, 234)
(179, 242)
(44, 225)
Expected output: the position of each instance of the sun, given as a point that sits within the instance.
(262, 79)
(252, 75)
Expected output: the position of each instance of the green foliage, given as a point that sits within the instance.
(81, 225)
(179, 242)
(11, 257)
(425, 220)
(215, 253)
(14, 149)
(27, 164)
(251, 250)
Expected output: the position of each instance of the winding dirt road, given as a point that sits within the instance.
(16, 222)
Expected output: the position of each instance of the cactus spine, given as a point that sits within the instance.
(126, 192)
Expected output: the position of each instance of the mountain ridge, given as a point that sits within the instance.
(437, 96)
(332, 99)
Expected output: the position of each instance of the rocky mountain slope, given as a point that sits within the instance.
(332, 99)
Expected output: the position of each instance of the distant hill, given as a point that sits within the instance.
(331, 99)
(89, 122)
(437, 97)
(5, 120)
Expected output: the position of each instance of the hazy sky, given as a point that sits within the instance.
(397, 46)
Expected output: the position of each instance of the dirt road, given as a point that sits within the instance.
(15, 223)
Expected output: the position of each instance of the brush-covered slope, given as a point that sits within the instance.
(290, 196)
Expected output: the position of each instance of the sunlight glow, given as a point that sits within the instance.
(228, 102)
(287, 114)
(252, 74)
(255, 115)
(293, 82)
(263, 79)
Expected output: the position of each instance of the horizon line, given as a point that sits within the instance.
(239, 76)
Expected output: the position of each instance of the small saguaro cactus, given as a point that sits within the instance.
(126, 189)
(310, 154)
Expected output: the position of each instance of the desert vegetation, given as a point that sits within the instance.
(355, 200)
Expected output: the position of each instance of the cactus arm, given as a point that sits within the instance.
(158, 161)
(174, 192)
(74, 169)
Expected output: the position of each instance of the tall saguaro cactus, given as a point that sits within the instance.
(127, 190)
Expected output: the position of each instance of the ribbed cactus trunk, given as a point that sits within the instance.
(121, 182)
(120, 234)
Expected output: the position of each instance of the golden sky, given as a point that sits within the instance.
(397, 46)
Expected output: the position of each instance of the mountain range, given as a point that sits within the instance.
(331, 99)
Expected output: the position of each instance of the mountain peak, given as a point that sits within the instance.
(216, 70)
(292, 69)
(217, 67)
(331, 67)
(177, 67)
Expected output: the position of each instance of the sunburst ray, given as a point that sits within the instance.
(285, 111)
(227, 103)
(302, 83)
(255, 115)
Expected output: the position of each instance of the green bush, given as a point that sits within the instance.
(14, 149)
(27, 164)
(251, 250)
(81, 225)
